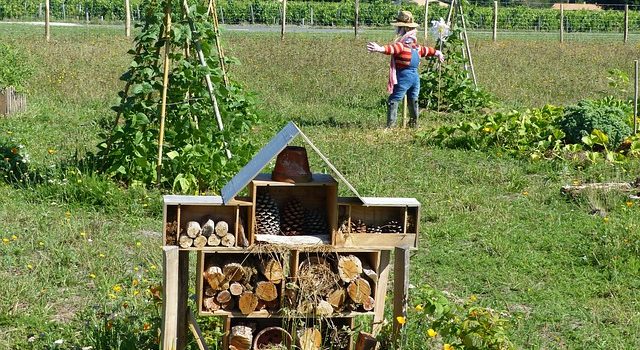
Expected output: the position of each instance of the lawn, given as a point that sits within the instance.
(75, 251)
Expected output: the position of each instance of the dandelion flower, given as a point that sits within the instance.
(67, 214)
(112, 296)
(101, 255)
(401, 320)
(136, 269)
(135, 282)
(117, 288)
(92, 275)
(29, 266)
(447, 347)
(5, 240)
(629, 204)
(525, 193)
(14, 237)
(431, 333)
(605, 219)
(138, 244)
(82, 234)
(419, 307)
(152, 267)
(51, 151)
(473, 297)
(40, 243)
(136, 292)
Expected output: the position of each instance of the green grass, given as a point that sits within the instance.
(491, 225)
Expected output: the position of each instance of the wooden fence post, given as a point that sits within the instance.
(47, 25)
(311, 11)
(356, 18)
(383, 280)
(170, 286)
(426, 21)
(283, 20)
(626, 23)
(400, 290)
(127, 19)
(495, 21)
(253, 16)
(561, 23)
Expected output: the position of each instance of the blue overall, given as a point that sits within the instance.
(408, 80)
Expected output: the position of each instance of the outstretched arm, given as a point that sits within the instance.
(374, 47)
(430, 51)
(390, 49)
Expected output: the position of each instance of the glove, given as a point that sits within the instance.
(440, 55)
(374, 47)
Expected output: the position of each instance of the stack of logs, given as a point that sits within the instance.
(211, 234)
(324, 289)
(234, 286)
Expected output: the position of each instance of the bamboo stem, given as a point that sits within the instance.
(495, 21)
(466, 44)
(283, 19)
(127, 19)
(561, 23)
(165, 86)
(426, 21)
(216, 29)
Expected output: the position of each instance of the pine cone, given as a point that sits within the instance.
(358, 226)
(292, 220)
(267, 215)
(315, 223)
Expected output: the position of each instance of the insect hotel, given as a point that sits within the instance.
(291, 264)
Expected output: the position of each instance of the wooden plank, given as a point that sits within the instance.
(197, 333)
(200, 284)
(183, 297)
(170, 265)
(380, 240)
(381, 290)
(400, 288)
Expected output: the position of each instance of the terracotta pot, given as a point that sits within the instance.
(272, 336)
(292, 166)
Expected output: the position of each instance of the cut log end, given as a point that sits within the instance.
(248, 302)
(193, 229)
(359, 291)
(200, 242)
(349, 268)
(266, 290)
(185, 241)
(222, 228)
(229, 240)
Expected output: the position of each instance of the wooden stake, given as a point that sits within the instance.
(197, 333)
(626, 23)
(127, 18)
(200, 241)
(356, 18)
(229, 240)
(236, 289)
(213, 241)
(223, 297)
(561, 23)
(216, 29)
(165, 86)
(47, 24)
(215, 277)
(208, 228)
(426, 21)
(635, 100)
(337, 298)
(495, 21)
(283, 19)
(466, 43)
(405, 110)
(185, 241)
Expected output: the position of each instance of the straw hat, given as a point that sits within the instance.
(405, 19)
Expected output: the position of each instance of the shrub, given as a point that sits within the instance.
(14, 162)
(582, 119)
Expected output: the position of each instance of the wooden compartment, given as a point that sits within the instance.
(318, 198)
(237, 284)
(262, 330)
(333, 283)
(179, 211)
(336, 333)
(393, 224)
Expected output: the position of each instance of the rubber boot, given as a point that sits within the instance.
(392, 114)
(414, 111)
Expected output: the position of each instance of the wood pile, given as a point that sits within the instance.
(209, 234)
(250, 285)
(324, 288)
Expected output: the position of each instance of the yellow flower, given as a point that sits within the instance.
(14, 237)
(432, 333)
(101, 255)
(40, 243)
(82, 234)
(67, 214)
(136, 292)
(152, 267)
(525, 193)
(419, 307)
(135, 282)
(487, 129)
(5, 240)
(136, 268)
(473, 297)
(92, 275)
(401, 320)
(605, 219)
(447, 347)
(146, 326)
(629, 204)
(117, 288)
(138, 244)
(112, 296)
(51, 151)
(29, 266)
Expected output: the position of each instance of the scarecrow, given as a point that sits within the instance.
(403, 70)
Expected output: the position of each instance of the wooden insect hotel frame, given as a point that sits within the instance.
(291, 264)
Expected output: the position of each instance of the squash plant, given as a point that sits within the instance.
(194, 156)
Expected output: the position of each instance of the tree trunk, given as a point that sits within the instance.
(215, 277)
(359, 291)
(234, 272)
(266, 291)
(247, 303)
(349, 268)
(272, 270)
(193, 229)
(222, 228)
(241, 337)
(208, 228)
(185, 241)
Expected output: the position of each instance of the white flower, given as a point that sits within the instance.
(58, 342)
(440, 29)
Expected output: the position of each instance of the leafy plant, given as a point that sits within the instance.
(15, 69)
(582, 119)
(194, 157)
(435, 322)
(447, 87)
(15, 160)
